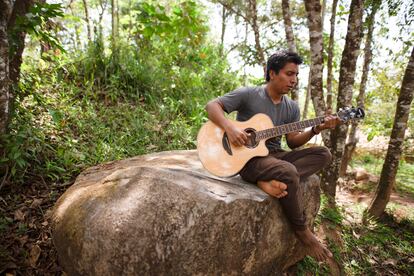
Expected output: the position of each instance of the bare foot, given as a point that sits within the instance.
(315, 249)
(273, 187)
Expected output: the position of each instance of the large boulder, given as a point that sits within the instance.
(163, 214)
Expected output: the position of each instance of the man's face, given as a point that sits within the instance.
(286, 79)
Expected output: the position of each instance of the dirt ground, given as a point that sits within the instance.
(25, 230)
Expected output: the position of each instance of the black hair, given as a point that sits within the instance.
(279, 59)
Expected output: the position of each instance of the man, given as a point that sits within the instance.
(279, 173)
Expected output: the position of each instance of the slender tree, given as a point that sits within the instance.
(224, 15)
(6, 8)
(87, 21)
(255, 27)
(103, 5)
(330, 57)
(11, 50)
(352, 139)
(313, 9)
(287, 19)
(248, 11)
(314, 16)
(114, 18)
(346, 82)
(290, 38)
(392, 158)
(308, 96)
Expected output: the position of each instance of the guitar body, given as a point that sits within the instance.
(224, 159)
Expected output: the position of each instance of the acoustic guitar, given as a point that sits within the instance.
(224, 159)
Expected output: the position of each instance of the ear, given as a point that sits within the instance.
(272, 74)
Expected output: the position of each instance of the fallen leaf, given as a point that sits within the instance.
(390, 262)
(151, 147)
(23, 240)
(19, 215)
(34, 255)
(355, 234)
(36, 203)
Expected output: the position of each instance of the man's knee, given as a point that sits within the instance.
(287, 173)
(325, 155)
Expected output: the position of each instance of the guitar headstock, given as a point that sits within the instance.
(350, 113)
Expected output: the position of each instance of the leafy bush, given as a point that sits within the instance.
(87, 107)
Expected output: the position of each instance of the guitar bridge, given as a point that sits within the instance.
(226, 144)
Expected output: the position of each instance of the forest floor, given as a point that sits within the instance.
(25, 228)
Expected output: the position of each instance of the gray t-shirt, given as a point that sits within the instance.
(248, 101)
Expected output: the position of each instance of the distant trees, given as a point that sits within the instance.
(290, 38)
(329, 94)
(314, 16)
(392, 158)
(248, 11)
(345, 89)
(352, 139)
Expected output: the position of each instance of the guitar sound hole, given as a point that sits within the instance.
(251, 140)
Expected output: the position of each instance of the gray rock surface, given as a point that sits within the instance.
(162, 214)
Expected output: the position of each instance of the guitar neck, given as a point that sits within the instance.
(287, 128)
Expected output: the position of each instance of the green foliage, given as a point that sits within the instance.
(308, 264)
(334, 215)
(35, 23)
(83, 108)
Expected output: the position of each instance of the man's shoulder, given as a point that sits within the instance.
(250, 89)
(289, 102)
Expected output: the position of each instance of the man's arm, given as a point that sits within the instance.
(297, 139)
(215, 111)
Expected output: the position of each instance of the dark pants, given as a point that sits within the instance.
(288, 167)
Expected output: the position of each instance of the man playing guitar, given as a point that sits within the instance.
(279, 173)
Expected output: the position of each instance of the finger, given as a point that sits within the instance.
(244, 136)
(242, 141)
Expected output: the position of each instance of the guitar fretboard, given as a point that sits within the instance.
(287, 128)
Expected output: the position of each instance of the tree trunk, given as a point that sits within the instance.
(20, 8)
(224, 15)
(346, 82)
(352, 139)
(330, 57)
(313, 9)
(392, 158)
(255, 27)
(5, 13)
(103, 5)
(11, 50)
(114, 11)
(88, 23)
(323, 13)
(307, 99)
(349, 148)
(287, 19)
(75, 38)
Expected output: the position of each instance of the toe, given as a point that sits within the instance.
(283, 194)
(278, 185)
